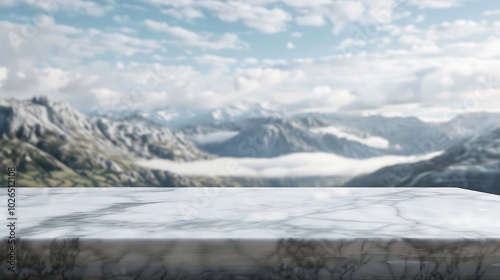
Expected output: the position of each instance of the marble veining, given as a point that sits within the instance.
(255, 233)
(256, 213)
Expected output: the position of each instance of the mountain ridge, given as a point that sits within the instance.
(474, 164)
(42, 136)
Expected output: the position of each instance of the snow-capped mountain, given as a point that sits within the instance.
(472, 123)
(54, 145)
(244, 111)
(271, 137)
(177, 118)
(473, 164)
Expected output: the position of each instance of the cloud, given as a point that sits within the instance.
(8, 3)
(395, 61)
(263, 19)
(3, 75)
(349, 42)
(253, 79)
(105, 96)
(193, 39)
(492, 13)
(290, 45)
(322, 98)
(65, 45)
(52, 7)
(217, 62)
(457, 29)
(214, 137)
(183, 13)
(250, 60)
(436, 4)
(121, 18)
(293, 165)
(306, 4)
(310, 20)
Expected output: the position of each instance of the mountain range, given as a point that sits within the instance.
(272, 137)
(176, 118)
(473, 163)
(52, 144)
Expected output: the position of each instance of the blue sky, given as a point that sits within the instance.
(410, 57)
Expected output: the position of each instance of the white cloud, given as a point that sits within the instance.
(293, 165)
(311, 20)
(127, 30)
(217, 62)
(323, 98)
(306, 4)
(214, 60)
(457, 29)
(175, 3)
(253, 79)
(349, 42)
(250, 60)
(492, 13)
(121, 18)
(398, 64)
(78, 6)
(7, 3)
(436, 4)
(193, 39)
(263, 19)
(126, 45)
(290, 45)
(183, 13)
(3, 75)
(66, 45)
(411, 39)
(105, 96)
(214, 137)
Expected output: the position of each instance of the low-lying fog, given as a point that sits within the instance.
(292, 165)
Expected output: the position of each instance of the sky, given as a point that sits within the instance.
(428, 58)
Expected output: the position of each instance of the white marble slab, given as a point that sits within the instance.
(255, 233)
(258, 213)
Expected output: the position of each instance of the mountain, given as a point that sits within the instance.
(51, 144)
(472, 164)
(409, 134)
(177, 118)
(271, 137)
(471, 123)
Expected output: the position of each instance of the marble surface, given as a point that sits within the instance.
(255, 233)
(256, 213)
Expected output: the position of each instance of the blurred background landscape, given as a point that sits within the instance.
(257, 93)
(52, 144)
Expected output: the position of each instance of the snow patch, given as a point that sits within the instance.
(214, 137)
(372, 141)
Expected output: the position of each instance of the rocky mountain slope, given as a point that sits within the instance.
(51, 144)
(473, 164)
(271, 137)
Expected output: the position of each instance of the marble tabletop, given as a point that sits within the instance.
(253, 233)
(255, 213)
